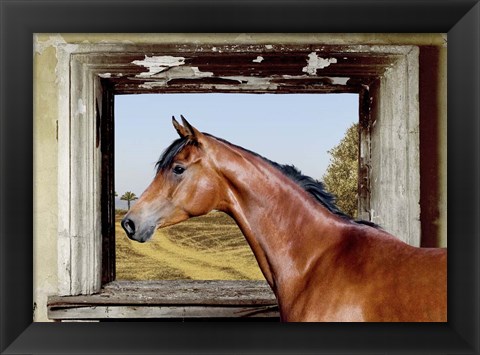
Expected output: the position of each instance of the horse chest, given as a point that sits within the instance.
(345, 313)
(334, 312)
(325, 304)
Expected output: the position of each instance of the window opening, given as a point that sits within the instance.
(297, 129)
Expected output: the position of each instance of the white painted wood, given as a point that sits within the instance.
(395, 154)
(79, 245)
(157, 312)
(64, 169)
(168, 299)
(174, 292)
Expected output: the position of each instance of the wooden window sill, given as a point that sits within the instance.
(159, 300)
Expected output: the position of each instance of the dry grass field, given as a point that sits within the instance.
(210, 247)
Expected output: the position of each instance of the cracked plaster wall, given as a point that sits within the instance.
(45, 180)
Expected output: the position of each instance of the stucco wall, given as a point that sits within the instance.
(45, 179)
(47, 106)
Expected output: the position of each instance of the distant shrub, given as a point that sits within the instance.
(341, 177)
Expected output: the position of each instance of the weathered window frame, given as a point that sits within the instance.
(386, 77)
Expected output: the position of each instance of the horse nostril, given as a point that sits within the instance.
(129, 226)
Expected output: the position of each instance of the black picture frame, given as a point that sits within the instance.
(20, 19)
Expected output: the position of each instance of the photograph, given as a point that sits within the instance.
(191, 182)
(303, 179)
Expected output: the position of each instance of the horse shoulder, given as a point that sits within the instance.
(402, 282)
(372, 276)
(330, 290)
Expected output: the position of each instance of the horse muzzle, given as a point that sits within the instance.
(134, 233)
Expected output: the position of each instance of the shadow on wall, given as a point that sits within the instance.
(429, 82)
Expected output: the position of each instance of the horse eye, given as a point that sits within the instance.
(178, 170)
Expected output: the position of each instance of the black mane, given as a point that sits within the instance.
(314, 187)
(166, 158)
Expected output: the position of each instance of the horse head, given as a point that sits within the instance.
(185, 185)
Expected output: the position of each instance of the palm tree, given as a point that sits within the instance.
(128, 196)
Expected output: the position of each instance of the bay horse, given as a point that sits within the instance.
(321, 264)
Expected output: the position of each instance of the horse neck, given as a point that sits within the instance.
(286, 228)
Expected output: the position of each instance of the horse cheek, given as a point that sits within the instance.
(203, 198)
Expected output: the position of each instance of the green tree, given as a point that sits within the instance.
(128, 196)
(341, 177)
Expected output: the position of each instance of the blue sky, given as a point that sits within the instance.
(295, 129)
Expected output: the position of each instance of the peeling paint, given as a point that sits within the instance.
(268, 46)
(162, 78)
(254, 82)
(110, 75)
(244, 38)
(339, 80)
(335, 80)
(259, 59)
(258, 83)
(201, 74)
(152, 85)
(158, 64)
(53, 41)
(81, 108)
(315, 62)
(63, 50)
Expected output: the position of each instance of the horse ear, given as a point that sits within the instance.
(182, 132)
(192, 131)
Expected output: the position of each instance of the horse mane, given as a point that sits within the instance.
(169, 154)
(314, 187)
(317, 190)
